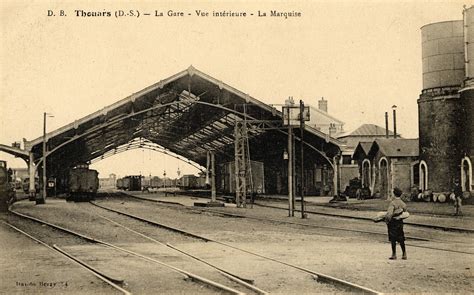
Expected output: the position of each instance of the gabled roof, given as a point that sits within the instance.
(395, 147)
(368, 130)
(186, 115)
(323, 113)
(362, 149)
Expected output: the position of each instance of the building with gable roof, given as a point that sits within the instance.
(389, 163)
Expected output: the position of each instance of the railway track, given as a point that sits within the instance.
(245, 282)
(439, 227)
(384, 234)
(320, 277)
(111, 281)
(187, 276)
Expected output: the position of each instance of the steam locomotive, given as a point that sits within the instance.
(7, 191)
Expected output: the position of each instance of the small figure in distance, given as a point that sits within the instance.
(395, 225)
(457, 198)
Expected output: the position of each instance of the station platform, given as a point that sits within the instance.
(429, 214)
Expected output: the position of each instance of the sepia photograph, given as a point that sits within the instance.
(236, 147)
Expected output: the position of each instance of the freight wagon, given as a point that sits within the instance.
(130, 183)
(201, 181)
(156, 182)
(226, 178)
(83, 183)
(188, 181)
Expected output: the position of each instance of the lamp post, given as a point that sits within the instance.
(41, 198)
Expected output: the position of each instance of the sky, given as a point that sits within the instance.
(361, 56)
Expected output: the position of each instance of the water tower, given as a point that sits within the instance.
(446, 104)
(439, 105)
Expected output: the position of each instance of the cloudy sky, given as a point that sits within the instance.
(362, 56)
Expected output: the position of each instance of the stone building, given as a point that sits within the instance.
(389, 163)
(366, 133)
(446, 105)
(321, 120)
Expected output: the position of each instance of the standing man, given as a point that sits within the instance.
(395, 224)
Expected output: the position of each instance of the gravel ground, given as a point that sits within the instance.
(359, 258)
(351, 256)
(445, 240)
(31, 268)
(141, 277)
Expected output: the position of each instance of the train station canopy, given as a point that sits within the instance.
(185, 115)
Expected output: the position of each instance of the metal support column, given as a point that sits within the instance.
(240, 164)
(291, 209)
(31, 173)
(303, 214)
(336, 175)
(41, 198)
(213, 178)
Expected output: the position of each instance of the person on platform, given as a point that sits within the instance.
(395, 224)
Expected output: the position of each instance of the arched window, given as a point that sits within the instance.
(415, 174)
(366, 175)
(466, 174)
(423, 175)
(383, 172)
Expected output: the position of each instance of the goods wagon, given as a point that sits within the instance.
(188, 181)
(226, 181)
(83, 183)
(156, 182)
(130, 183)
(201, 181)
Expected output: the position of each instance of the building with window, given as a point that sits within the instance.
(388, 163)
(446, 105)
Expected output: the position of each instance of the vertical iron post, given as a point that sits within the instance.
(213, 178)
(41, 198)
(291, 209)
(31, 173)
(303, 214)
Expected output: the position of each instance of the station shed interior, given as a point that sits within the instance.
(188, 116)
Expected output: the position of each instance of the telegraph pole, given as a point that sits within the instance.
(289, 104)
(303, 214)
(41, 198)
(291, 209)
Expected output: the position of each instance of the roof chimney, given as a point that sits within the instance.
(323, 105)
